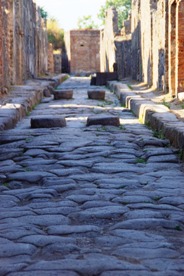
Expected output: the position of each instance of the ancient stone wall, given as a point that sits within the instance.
(5, 44)
(107, 44)
(115, 47)
(158, 44)
(176, 47)
(57, 63)
(23, 42)
(50, 59)
(83, 51)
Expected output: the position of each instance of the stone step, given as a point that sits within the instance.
(105, 121)
(48, 122)
(63, 94)
(96, 94)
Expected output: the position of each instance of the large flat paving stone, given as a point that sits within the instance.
(63, 94)
(48, 122)
(96, 94)
(103, 120)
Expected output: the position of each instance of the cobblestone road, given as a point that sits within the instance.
(97, 200)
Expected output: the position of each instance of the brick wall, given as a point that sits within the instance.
(23, 42)
(181, 47)
(83, 51)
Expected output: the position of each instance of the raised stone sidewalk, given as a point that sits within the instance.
(157, 116)
(21, 99)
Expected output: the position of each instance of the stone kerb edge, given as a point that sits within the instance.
(24, 104)
(156, 116)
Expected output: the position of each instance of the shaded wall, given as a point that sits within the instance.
(23, 42)
(115, 47)
(158, 44)
(107, 43)
(149, 42)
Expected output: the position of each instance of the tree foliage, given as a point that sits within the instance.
(55, 33)
(86, 22)
(43, 13)
(122, 6)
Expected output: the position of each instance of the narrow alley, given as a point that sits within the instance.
(96, 200)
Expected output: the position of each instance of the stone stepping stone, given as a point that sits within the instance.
(96, 94)
(48, 122)
(104, 121)
(63, 94)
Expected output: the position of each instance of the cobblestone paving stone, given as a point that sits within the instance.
(97, 200)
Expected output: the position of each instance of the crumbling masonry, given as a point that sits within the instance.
(158, 44)
(23, 42)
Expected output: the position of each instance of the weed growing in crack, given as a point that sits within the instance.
(141, 161)
(167, 104)
(158, 134)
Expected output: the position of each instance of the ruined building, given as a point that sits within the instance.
(83, 51)
(115, 48)
(158, 44)
(151, 48)
(23, 42)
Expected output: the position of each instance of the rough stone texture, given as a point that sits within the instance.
(105, 121)
(156, 116)
(63, 94)
(58, 63)
(23, 98)
(157, 44)
(83, 51)
(115, 48)
(89, 200)
(23, 43)
(48, 122)
(50, 59)
(96, 94)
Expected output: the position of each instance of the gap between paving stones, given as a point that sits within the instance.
(156, 116)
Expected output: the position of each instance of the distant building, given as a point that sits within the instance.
(83, 51)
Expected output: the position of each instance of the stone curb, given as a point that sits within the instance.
(156, 116)
(22, 98)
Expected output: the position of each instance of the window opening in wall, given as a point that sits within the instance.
(82, 45)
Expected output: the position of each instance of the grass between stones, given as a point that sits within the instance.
(141, 161)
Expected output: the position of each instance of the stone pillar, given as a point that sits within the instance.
(50, 59)
(136, 41)
(107, 44)
(57, 63)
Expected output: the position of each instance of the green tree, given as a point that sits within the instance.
(122, 6)
(86, 22)
(55, 34)
(43, 13)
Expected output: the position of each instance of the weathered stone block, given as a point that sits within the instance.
(103, 77)
(96, 94)
(105, 121)
(48, 122)
(63, 94)
(46, 92)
